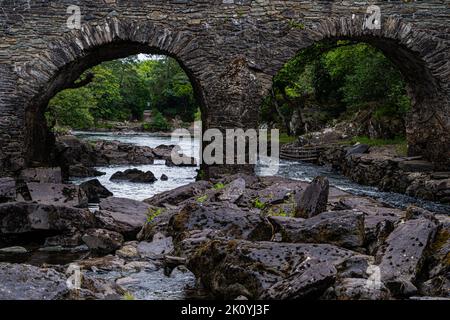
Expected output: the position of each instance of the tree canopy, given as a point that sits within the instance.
(122, 90)
(333, 80)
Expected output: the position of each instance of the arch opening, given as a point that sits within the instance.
(425, 121)
(40, 140)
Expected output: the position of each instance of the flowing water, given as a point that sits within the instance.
(152, 283)
(181, 176)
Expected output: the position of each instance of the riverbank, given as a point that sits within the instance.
(222, 238)
(378, 164)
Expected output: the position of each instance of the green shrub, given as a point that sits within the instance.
(158, 123)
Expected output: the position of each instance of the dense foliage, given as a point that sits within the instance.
(336, 80)
(121, 90)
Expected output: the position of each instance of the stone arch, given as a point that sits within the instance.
(422, 58)
(69, 56)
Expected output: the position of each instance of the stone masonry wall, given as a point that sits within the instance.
(231, 49)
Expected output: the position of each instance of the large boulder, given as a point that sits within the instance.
(402, 257)
(314, 199)
(379, 220)
(103, 241)
(232, 223)
(7, 189)
(122, 215)
(164, 152)
(80, 171)
(233, 191)
(358, 149)
(341, 228)
(57, 194)
(181, 161)
(24, 217)
(95, 191)
(157, 248)
(269, 270)
(74, 151)
(178, 195)
(134, 175)
(25, 282)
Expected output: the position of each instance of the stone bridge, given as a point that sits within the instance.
(230, 49)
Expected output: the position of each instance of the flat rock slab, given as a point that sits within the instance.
(125, 206)
(160, 246)
(42, 175)
(103, 241)
(178, 195)
(404, 253)
(122, 215)
(256, 269)
(57, 194)
(232, 223)
(22, 217)
(341, 228)
(24, 282)
(416, 166)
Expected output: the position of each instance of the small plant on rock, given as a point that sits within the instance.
(152, 214)
(219, 186)
(258, 204)
(202, 199)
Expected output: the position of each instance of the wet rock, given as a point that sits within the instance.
(94, 190)
(379, 220)
(24, 282)
(122, 215)
(164, 177)
(64, 240)
(341, 228)
(438, 283)
(135, 176)
(75, 151)
(358, 149)
(103, 241)
(232, 223)
(165, 151)
(42, 175)
(13, 250)
(7, 189)
(81, 171)
(176, 196)
(105, 263)
(57, 194)
(233, 191)
(157, 222)
(96, 288)
(403, 255)
(358, 289)
(128, 252)
(181, 161)
(311, 281)
(229, 269)
(160, 246)
(22, 217)
(416, 166)
(314, 199)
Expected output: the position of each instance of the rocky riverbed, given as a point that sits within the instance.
(238, 237)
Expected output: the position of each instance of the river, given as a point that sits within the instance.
(181, 176)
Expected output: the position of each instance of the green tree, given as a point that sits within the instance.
(72, 108)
